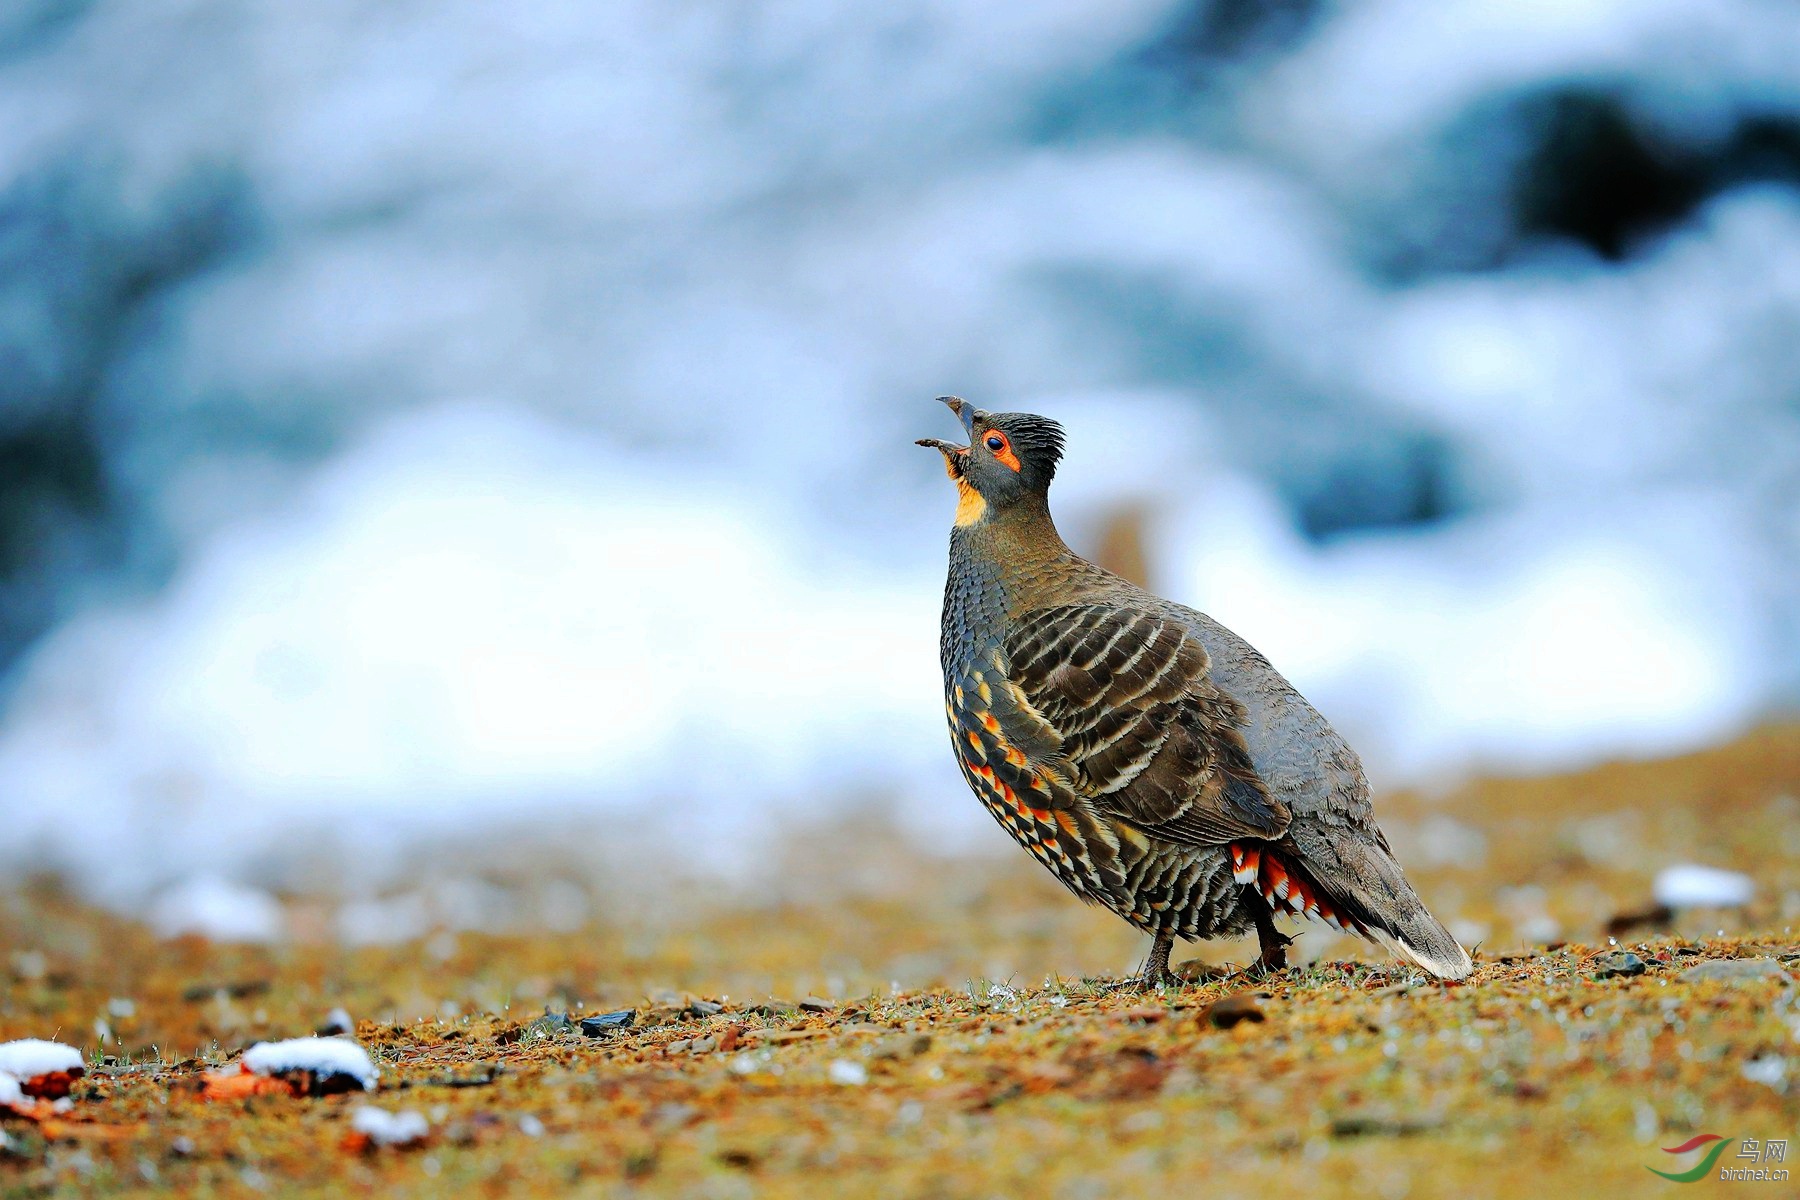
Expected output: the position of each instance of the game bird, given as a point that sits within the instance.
(1151, 758)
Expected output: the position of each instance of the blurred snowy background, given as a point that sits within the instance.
(422, 421)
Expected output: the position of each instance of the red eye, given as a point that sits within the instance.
(1001, 448)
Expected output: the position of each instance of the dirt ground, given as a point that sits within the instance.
(897, 1024)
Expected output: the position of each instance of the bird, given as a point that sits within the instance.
(1152, 759)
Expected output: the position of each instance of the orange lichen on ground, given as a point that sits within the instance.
(892, 1024)
(241, 1085)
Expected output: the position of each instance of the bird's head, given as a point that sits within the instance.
(1010, 458)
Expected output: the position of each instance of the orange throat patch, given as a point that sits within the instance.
(970, 507)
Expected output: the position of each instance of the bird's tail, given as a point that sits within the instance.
(1358, 887)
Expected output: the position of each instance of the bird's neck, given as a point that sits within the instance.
(1014, 548)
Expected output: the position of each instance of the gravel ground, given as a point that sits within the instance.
(887, 1023)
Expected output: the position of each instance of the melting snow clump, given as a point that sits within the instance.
(384, 1128)
(1688, 885)
(29, 1058)
(219, 910)
(323, 1057)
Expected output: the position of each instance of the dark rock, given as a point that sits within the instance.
(1656, 917)
(234, 991)
(1735, 970)
(1234, 1010)
(901, 1045)
(1367, 1122)
(814, 1004)
(704, 1008)
(609, 1023)
(1617, 963)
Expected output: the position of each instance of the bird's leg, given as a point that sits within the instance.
(1273, 942)
(1156, 968)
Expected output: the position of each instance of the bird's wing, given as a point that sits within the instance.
(1117, 703)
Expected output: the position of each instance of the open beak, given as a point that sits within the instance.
(955, 456)
(965, 412)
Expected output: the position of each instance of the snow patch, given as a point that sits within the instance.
(384, 1128)
(29, 1058)
(1689, 885)
(217, 909)
(322, 1057)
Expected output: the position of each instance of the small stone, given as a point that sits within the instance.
(547, 1027)
(474, 1075)
(816, 1005)
(848, 1073)
(1366, 1122)
(705, 1008)
(1767, 1069)
(1657, 916)
(674, 1115)
(774, 1008)
(903, 1045)
(1735, 970)
(1617, 963)
(777, 1036)
(703, 1045)
(608, 1023)
(1234, 1010)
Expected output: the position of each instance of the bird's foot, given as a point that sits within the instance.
(1150, 981)
(1272, 945)
(1270, 963)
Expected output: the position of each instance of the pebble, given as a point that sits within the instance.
(705, 1008)
(1735, 970)
(903, 1045)
(608, 1023)
(1363, 1122)
(815, 1004)
(1619, 962)
(848, 1073)
(1234, 1010)
(550, 1025)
